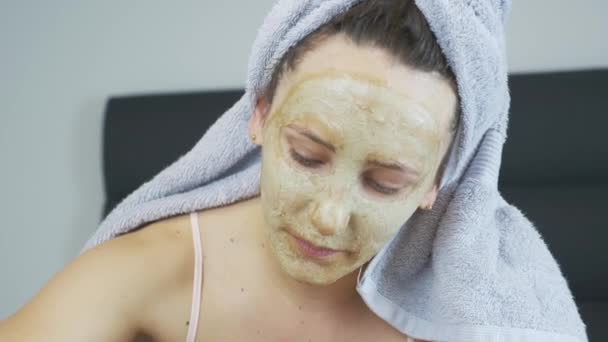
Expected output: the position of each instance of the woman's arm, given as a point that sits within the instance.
(100, 296)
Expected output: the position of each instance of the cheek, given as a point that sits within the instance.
(379, 222)
(285, 192)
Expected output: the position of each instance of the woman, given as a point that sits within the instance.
(355, 129)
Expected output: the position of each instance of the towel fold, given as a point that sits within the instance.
(474, 268)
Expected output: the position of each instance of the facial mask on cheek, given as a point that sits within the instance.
(302, 202)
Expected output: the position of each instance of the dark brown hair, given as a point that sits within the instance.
(397, 26)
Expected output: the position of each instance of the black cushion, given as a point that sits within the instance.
(554, 166)
(144, 134)
(557, 129)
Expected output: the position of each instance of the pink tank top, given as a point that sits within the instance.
(197, 283)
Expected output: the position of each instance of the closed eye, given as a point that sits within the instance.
(312, 163)
(380, 188)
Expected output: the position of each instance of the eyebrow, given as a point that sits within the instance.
(393, 165)
(312, 136)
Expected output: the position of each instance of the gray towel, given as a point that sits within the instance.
(474, 268)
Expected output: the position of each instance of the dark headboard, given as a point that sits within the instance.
(555, 164)
(145, 133)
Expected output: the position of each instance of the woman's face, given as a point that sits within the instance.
(350, 148)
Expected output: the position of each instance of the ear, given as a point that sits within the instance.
(258, 117)
(429, 198)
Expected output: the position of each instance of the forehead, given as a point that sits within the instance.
(337, 54)
(357, 101)
(353, 110)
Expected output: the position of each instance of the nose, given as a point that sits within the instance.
(330, 217)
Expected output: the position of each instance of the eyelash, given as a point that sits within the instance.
(305, 161)
(380, 188)
(312, 163)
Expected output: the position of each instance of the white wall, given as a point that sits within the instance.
(60, 60)
(544, 35)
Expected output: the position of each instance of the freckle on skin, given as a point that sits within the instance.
(187, 322)
(231, 239)
(242, 289)
(299, 307)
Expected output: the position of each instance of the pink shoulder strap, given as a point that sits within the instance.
(198, 274)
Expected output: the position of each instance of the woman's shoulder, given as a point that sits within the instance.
(146, 266)
(153, 260)
(159, 239)
(156, 263)
(160, 250)
(105, 293)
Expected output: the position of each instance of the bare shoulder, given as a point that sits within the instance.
(165, 245)
(167, 254)
(161, 251)
(100, 295)
(150, 258)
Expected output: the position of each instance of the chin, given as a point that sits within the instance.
(318, 279)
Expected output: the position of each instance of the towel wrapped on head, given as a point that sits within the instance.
(473, 268)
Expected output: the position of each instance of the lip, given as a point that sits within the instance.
(311, 250)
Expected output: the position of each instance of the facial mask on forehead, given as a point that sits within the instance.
(336, 193)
